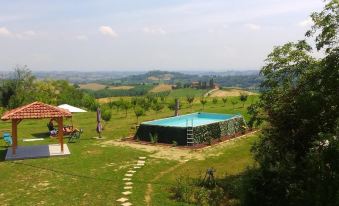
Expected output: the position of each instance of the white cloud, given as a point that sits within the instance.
(5, 32)
(306, 23)
(106, 30)
(26, 34)
(82, 37)
(29, 33)
(154, 30)
(19, 35)
(253, 27)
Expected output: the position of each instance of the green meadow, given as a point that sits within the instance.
(93, 173)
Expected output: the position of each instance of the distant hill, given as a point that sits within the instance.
(233, 78)
(246, 79)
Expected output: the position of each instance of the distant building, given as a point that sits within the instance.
(196, 85)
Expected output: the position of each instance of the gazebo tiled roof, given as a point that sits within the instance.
(36, 110)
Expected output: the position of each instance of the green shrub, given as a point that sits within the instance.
(106, 114)
(138, 113)
(215, 100)
(2, 111)
(209, 140)
(153, 138)
(174, 143)
(190, 191)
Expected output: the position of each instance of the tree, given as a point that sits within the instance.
(215, 100)
(243, 97)
(89, 102)
(203, 101)
(125, 105)
(255, 116)
(22, 87)
(134, 101)
(298, 151)
(190, 100)
(171, 105)
(45, 92)
(224, 100)
(234, 102)
(157, 107)
(106, 114)
(138, 113)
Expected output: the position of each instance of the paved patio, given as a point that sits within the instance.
(37, 151)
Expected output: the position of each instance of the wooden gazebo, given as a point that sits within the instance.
(35, 110)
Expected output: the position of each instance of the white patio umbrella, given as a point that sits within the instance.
(70, 108)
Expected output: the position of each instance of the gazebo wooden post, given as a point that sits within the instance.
(15, 135)
(61, 133)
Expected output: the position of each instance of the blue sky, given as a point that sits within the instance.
(143, 35)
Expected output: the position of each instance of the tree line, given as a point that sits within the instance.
(23, 88)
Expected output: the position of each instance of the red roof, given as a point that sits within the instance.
(36, 110)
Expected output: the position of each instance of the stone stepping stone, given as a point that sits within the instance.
(142, 158)
(136, 167)
(128, 188)
(141, 162)
(126, 204)
(126, 193)
(128, 183)
(122, 199)
(127, 179)
(128, 175)
(131, 171)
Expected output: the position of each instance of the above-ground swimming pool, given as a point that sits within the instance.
(195, 127)
(194, 119)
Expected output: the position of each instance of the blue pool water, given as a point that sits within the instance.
(197, 119)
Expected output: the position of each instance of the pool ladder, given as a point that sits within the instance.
(189, 129)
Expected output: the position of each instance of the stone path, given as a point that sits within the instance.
(128, 184)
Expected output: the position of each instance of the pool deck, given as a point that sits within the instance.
(37, 151)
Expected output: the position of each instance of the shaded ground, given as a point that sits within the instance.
(175, 153)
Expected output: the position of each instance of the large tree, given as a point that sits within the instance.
(298, 151)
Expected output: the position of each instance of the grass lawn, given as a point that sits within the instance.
(92, 174)
(188, 91)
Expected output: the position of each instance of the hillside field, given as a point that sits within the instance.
(228, 92)
(96, 87)
(161, 88)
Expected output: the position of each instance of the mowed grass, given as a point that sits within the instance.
(188, 92)
(92, 174)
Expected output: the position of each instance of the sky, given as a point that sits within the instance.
(88, 35)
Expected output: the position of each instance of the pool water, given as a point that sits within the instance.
(195, 119)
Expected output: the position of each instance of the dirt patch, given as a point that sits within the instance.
(230, 92)
(175, 153)
(161, 88)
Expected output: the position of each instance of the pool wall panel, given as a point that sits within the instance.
(165, 134)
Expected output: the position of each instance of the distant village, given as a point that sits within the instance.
(196, 85)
